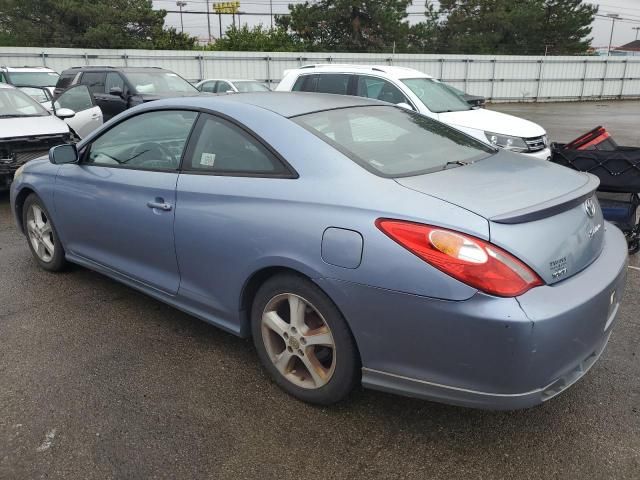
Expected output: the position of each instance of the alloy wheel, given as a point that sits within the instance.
(298, 341)
(40, 233)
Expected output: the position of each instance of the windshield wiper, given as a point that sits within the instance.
(457, 163)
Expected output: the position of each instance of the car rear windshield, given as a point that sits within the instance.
(251, 87)
(160, 82)
(436, 96)
(34, 79)
(393, 142)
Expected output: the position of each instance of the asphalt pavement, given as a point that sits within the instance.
(98, 381)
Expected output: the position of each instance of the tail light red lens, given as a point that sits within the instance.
(471, 260)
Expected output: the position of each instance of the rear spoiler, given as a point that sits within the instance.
(553, 206)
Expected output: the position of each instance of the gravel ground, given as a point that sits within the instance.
(99, 381)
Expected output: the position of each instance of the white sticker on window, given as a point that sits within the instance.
(208, 159)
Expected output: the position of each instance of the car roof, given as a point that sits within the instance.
(26, 69)
(384, 70)
(116, 69)
(286, 104)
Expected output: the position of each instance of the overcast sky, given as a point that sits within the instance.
(197, 24)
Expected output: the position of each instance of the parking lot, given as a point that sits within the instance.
(99, 381)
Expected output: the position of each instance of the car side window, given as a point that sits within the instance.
(113, 80)
(2, 80)
(208, 87)
(65, 80)
(299, 85)
(223, 147)
(93, 80)
(332, 83)
(379, 89)
(76, 98)
(223, 87)
(149, 141)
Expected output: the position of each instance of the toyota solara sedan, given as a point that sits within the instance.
(355, 241)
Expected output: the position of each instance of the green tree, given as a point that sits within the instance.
(256, 39)
(349, 25)
(525, 27)
(87, 24)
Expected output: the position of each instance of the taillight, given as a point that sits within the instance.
(468, 259)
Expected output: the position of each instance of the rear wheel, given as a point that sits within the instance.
(303, 341)
(41, 235)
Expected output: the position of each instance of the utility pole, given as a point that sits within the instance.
(271, 13)
(181, 4)
(637, 29)
(613, 17)
(208, 20)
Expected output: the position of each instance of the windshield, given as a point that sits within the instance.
(437, 96)
(38, 94)
(394, 142)
(160, 82)
(33, 79)
(14, 103)
(251, 87)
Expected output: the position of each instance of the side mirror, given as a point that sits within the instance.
(117, 91)
(62, 154)
(63, 113)
(405, 106)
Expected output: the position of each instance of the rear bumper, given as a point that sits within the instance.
(487, 352)
(412, 387)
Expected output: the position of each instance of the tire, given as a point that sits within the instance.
(42, 236)
(308, 367)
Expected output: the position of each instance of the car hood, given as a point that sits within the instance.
(31, 126)
(494, 122)
(536, 209)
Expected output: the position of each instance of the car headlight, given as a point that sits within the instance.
(18, 172)
(515, 144)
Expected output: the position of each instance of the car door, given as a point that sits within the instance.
(88, 115)
(115, 208)
(223, 166)
(114, 97)
(95, 83)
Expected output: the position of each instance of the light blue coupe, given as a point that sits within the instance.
(356, 241)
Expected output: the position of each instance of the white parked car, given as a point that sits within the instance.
(28, 130)
(29, 77)
(424, 94)
(222, 85)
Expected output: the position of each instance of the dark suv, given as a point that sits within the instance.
(118, 88)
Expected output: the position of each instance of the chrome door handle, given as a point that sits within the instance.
(160, 205)
(95, 116)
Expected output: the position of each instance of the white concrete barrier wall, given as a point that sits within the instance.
(499, 78)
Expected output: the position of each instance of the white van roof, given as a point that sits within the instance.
(387, 70)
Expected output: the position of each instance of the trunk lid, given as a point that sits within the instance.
(536, 210)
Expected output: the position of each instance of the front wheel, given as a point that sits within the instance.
(303, 341)
(41, 235)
